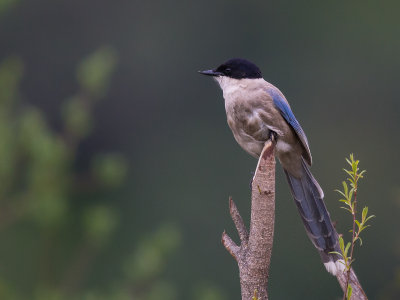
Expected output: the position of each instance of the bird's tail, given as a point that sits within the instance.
(308, 197)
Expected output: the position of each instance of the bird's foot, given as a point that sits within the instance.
(273, 136)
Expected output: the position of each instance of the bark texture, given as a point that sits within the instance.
(254, 253)
(358, 292)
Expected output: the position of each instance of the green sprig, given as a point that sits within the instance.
(349, 198)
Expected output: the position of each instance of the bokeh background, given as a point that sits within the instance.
(116, 161)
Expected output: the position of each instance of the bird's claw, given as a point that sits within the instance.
(273, 136)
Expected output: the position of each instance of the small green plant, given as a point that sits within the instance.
(349, 195)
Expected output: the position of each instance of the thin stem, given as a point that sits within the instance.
(353, 237)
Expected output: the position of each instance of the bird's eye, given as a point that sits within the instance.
(227, 70)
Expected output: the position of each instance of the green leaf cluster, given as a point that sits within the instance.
(349, 198)
(355, 175)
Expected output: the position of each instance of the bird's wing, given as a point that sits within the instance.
(288, 115)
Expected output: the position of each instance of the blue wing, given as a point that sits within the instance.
(288, 115)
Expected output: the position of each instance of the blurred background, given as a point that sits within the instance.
(116, 161)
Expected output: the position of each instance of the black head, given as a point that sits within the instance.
(237, 68)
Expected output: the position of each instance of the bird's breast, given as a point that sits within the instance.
(244, 119)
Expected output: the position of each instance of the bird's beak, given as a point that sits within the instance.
(210, 73)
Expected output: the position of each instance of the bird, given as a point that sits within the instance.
(257, 111)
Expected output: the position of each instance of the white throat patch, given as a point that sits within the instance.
(227, 82)
(229, 85)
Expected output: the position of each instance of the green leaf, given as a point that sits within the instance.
(346, 209)
(351, 193)
(346, 189)
(363, 228)
(341, 193)
(343, 263)
(347, 248)
(352, 184)
(364, 213)
(370, 217)
(358, 224)
(341, 244)
(349, 291)
(335, 252)
(348, 172)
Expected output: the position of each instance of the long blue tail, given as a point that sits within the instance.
(308, 197)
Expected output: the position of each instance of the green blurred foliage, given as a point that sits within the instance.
(162, 290)
(76, 118)
(100, 222)
(95, 71)
(109, 169)
(120, 294)
(10, 74)
(38, 182)
(207, 291)
(48, 293)
(150, 257)
(7, 4)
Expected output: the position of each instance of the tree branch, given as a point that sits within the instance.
(254, 253)
(358, 292)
